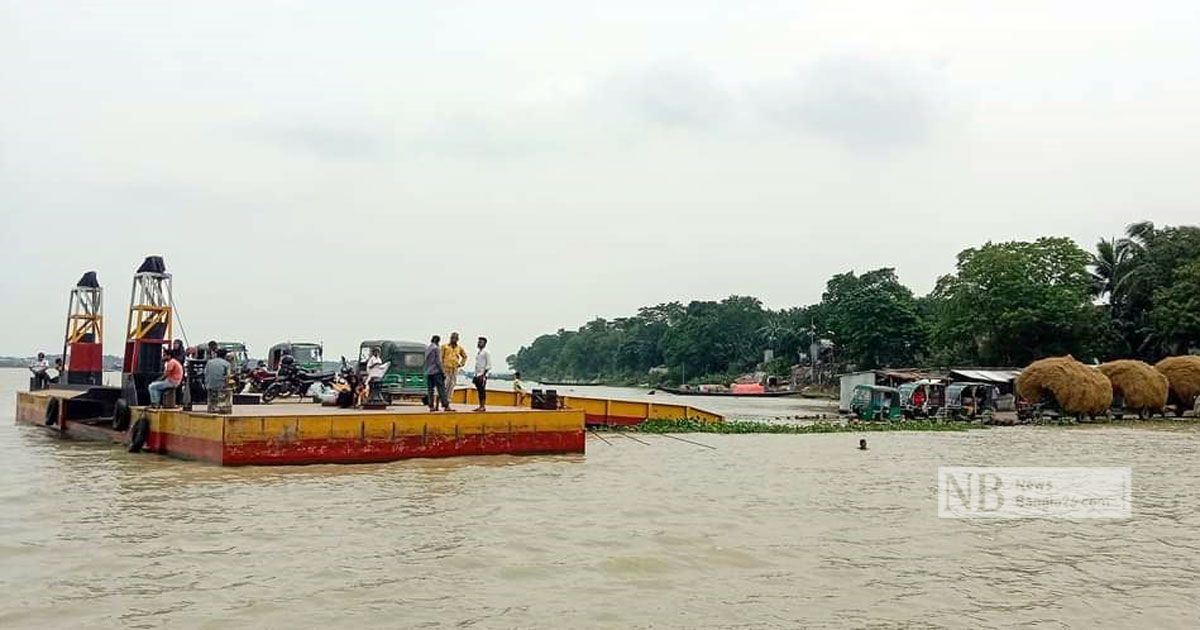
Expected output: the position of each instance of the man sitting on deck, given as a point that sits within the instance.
(171, 378)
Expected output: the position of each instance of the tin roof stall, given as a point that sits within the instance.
(1002, 378)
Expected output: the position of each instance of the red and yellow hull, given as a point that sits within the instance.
(282, 434)
(598, 411)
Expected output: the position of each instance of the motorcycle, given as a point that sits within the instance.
(255, 380)
(345, 389)
(294, 381)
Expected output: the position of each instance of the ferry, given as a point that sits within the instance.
(251, 433)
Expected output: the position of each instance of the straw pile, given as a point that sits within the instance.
(1139, 385)
(1077, 388)
(1184, 375)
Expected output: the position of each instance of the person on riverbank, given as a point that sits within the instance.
(453, 358)
(41, 380)
(483, 365)
(171, 378)
(216, 380)
(435, 375)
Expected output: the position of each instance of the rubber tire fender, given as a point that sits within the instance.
(121, 415)
(138, 434)
(52, 412)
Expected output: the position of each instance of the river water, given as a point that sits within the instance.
(762, 531)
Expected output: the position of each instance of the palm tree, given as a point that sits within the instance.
(772, 332)
(1139, 235)
(1116, 266)
(1139, 238)
(1110, 265)
(1132, 284)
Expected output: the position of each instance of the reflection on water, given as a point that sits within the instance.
(764, 531)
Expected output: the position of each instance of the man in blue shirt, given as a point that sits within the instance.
(435, 376)
(216, 381)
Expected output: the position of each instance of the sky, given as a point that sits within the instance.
(354, 170)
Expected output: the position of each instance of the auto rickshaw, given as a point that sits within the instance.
(235, 353)
(874, 402)
(307, 355)
(405, 376)
(970, 401)
(922, 399)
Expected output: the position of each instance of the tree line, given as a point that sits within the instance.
(1005, 304)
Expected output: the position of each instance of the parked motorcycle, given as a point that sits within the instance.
(291, 380)
(255, 380)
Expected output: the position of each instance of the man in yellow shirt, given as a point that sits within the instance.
(453, 358)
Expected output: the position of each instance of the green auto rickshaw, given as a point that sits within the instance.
(875, 402)
(306, 355)
(235, 353)
(971, 401)
(922, 399)
(405, 376)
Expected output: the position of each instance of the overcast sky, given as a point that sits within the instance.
(336, 171)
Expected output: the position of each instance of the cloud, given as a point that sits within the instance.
(667, 96)
(860, 103)
(508, 133)
(325, 141)
(856, 102)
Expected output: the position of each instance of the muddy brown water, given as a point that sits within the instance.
(763, 531)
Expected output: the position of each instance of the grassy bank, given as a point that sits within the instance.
(742, 426)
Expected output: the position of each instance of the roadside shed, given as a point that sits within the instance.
(848, 381)
(1002, 378)
(885, 377)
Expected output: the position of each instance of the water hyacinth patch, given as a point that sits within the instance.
(745, 426)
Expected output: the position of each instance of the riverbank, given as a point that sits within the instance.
(747, 426)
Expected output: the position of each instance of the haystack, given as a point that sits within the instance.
(1138, 384)
(1184, 375)
(1077, 388)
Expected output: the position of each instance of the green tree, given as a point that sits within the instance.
(716, 337)
(1175, 316)
(1011, 303)
(1158, 258)
(874, 319)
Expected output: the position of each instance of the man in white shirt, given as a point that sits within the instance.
(40, 378)
(483, 365)
(373, 362)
